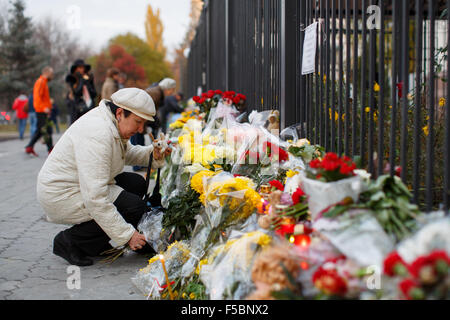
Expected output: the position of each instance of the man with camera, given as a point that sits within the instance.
(82, 89)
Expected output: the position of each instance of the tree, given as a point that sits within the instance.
(116, 56)
(154, 31)
(20, 57)
(152, 61)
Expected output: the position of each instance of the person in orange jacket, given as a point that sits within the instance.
(42, 105)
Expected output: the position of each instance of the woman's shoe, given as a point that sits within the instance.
(63, 247)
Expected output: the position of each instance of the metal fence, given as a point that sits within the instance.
(379, 90)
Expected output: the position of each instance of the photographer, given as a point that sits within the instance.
(82, 89)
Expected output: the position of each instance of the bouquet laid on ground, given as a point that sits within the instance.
(389, 200)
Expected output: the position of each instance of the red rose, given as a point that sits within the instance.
(277, 184)
(202, 100)
(297, 195)
(236, 100)
(394, 265)
(205, 95)
(196, 99)
(218, 92)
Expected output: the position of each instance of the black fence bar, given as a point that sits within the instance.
(341, 78)
(397, 70)
(393, 144)
(321, 83)
(327, 74)
(372, 106)
(405, 89)
(417, 100)
(430, 141)
(355, 78)
(362, 138)
(347, 78)
(446, 191)
(333, 77)
(381, 67)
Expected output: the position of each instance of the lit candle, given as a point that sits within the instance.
(161, 258)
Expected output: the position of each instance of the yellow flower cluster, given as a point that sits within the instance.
(185, 117)
(237, 193)
(197, 180)
(194, 152)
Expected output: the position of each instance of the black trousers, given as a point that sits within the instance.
(41, 123)
(89, 236)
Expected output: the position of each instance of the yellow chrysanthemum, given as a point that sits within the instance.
(197, 180)
(442, 102)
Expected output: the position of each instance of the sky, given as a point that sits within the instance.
(94, 22)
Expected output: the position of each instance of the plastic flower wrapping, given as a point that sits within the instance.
(235, 259)
(151, 279)
(250, 214)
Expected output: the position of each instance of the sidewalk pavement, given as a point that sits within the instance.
(28, 268)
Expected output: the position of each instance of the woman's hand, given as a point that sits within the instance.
(137, 241)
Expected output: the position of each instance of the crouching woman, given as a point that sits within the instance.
(82, 182)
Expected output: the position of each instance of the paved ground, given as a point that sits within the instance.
(28, 268)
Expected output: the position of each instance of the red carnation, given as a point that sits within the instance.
(329, 282)
(315, 163)
(411, 289)
(277, 184)
(285, 229)
(426, 268)
(297, 195)
(394, 265)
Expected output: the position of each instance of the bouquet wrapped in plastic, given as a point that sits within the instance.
(358, 235)
(151, 279)
(233, 259)
(151, 226)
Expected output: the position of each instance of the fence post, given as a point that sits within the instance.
(288, 57)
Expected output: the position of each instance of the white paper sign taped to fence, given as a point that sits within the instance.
(309, 49)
